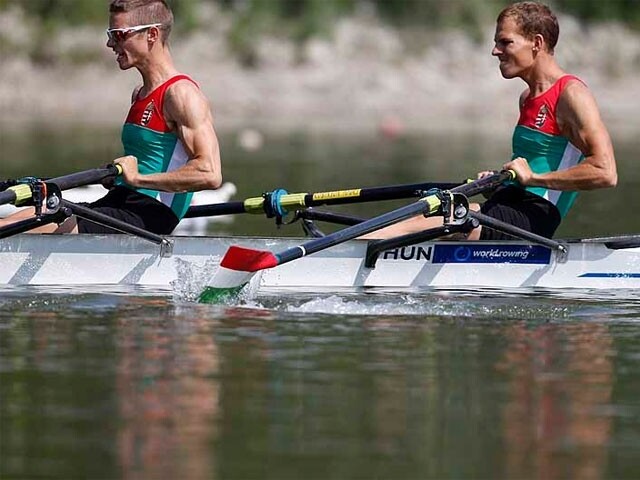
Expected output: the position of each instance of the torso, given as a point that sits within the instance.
(539, 139)
(148, 136)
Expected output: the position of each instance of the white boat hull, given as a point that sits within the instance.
(122, 259)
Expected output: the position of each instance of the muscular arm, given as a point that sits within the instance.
(187, 111)
(579, 120)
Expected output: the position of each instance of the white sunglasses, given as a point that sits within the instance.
(120, 34)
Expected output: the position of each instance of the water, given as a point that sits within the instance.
(141, 383)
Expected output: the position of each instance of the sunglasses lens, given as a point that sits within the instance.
(117, 35)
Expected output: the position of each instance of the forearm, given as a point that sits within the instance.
(189, 178)
(588, 175)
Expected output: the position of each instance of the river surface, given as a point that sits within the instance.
(141, 383)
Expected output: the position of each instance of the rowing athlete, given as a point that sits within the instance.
(170, 146)
(560, 144)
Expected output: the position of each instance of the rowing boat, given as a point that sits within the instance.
(219, 267)
(590, 263)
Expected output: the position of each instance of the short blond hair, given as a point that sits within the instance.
(145, 12)
(533, 18)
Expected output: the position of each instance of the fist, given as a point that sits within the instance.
(129, 166)
(522, 169)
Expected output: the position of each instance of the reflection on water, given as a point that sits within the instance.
(560, 388)
(138, 385)
(167, 402)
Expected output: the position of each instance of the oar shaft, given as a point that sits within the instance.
(335, 197)
(21, 193)
(227, 208)
(9, 195)
(86, 177)
(425, 205)
(371, 194)
(486, 183)
(428, 205)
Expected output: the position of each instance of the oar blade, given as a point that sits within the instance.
(236, 269)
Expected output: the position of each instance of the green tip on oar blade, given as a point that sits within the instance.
(216, 295)
(238, 266)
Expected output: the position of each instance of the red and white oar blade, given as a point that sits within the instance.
(236, 269)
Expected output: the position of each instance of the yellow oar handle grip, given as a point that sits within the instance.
(23, 193)
(256, 204)
(119, 169)
(513, 174)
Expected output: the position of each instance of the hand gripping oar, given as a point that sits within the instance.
(21, 193)
(239, 264)
(280, 202)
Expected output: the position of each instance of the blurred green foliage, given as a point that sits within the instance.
(315, 15)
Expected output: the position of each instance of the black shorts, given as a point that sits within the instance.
(131, 207)
(516, 206)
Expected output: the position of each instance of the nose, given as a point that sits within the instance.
(110, 42)
(495, 51)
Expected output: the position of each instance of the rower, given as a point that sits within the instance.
(560, 144)
(170, 146)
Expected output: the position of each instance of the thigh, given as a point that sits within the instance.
(506, 213)
(539, 217)
(87, 226)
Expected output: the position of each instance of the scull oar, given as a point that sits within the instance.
(240, 264)
(281, 202)
(21, 193)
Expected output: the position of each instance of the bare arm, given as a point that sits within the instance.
(579, 120)
(186, 109)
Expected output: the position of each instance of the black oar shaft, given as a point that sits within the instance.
(8, 196)
(86, 177)
(373, 194)
(21, 193)
(227, 208)
(485, 184)
(428, 205)
(354, 231)
(335, 197)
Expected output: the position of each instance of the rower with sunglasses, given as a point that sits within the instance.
(170, 146)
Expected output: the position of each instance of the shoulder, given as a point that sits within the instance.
(184, 86)
(183, 91)
(575, 93)
(183, 100)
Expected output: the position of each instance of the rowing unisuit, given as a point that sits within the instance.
(537, 138)
(147, 136)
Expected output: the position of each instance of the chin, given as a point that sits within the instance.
(124, 65)
(508, 74)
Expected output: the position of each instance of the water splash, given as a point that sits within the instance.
(192, 279)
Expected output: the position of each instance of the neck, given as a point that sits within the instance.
(158, 69)
(543, 74)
